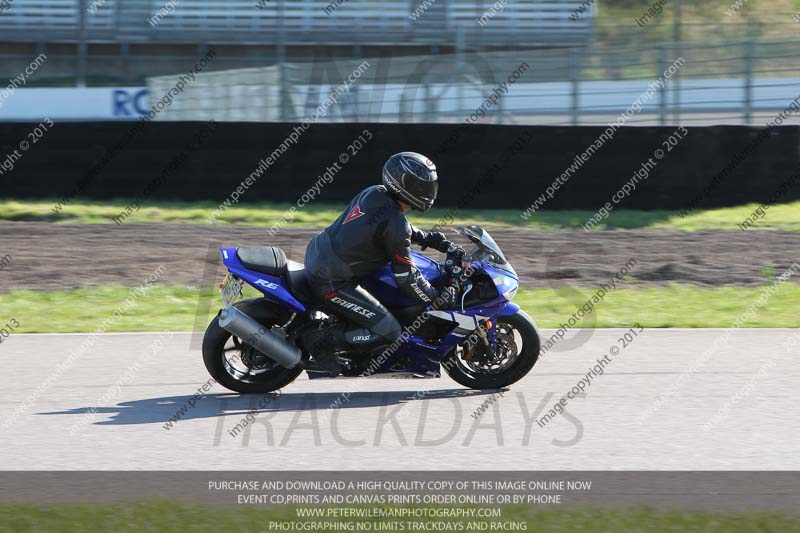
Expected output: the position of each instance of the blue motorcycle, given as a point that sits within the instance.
(254, 345)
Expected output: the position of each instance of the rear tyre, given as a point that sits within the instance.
(239, 367)
(518, 346)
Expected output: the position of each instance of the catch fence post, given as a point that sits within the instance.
(574, 73)
(281, 57)
(83, 47)
(662, 98)
(748, 81)
(460, 78)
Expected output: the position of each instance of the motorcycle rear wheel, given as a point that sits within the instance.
(524, 332)
(221, 349)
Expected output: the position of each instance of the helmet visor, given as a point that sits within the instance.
(422, 192)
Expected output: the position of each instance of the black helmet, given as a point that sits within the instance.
(411, 178)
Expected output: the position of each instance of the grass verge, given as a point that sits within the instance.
(156, 517)
(781, 217)
(176, 308)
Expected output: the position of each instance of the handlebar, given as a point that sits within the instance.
(454, 261)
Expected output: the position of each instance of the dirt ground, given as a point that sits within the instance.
(51, 256)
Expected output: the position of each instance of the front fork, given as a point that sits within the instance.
(483, 338)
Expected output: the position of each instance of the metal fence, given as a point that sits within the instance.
(741, 82)
(431, 60)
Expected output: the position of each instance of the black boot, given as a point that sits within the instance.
(322, 344)
(367, 348)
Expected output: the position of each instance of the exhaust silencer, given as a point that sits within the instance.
(260, 337)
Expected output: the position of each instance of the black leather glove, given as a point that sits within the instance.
(449, 297)
(437, 241)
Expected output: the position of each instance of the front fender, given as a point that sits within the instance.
(510, 309)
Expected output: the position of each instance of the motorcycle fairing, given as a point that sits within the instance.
(414, 356)
(383, 285)
(273, 288)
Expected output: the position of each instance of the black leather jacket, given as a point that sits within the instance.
(369, 233)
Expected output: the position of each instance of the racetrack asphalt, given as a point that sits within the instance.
(671, 400)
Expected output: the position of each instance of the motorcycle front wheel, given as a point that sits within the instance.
(236, 365)
(516, 351)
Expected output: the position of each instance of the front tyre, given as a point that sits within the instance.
(517, 350)
(239, 367)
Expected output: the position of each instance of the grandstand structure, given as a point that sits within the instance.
(132, 39)
(431, 60)
(366, 22)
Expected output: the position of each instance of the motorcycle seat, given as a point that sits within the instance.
(297, 281)
(265, 259)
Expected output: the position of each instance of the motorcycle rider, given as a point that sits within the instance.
(370, 232)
